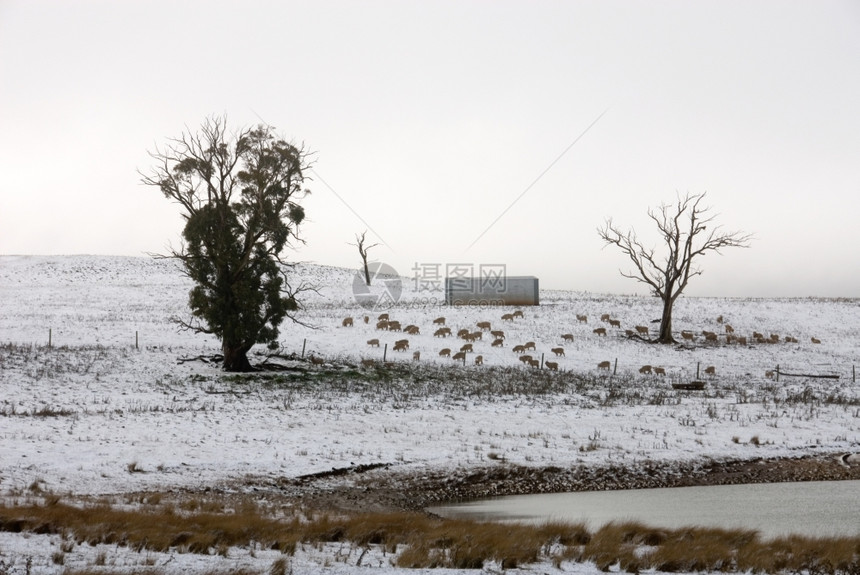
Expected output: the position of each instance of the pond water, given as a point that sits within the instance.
(815, 508)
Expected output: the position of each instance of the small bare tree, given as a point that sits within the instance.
(684, 230)
(363, 248)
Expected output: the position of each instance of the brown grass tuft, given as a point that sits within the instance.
(422, 541)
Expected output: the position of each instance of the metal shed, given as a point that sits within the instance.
(504, 290)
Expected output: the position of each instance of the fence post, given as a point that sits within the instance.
(541, 360)
(777, 372)
(49, 337)
(136, 341)
(384, 352)
(697, 369)
(304, 344)
(853, 375)
(615, 369)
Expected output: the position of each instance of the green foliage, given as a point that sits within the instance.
(239, 199)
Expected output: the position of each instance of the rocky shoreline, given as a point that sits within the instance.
(379, 488)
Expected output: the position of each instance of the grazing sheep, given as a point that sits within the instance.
(582, 318)
(600, 331)
(479, 360)
(459, 356)
(439, 321)
(816, 340)
(604, 317)
(659, 371)
(317, 360)
(688, 335)
(476, 335)
(416, 355)
(534, 363)
(507, 317)
(498, 334)
(382, 317)
(442, 332)
(645, 369)
(742, 340)
(461, 333)
(629, 332)
(642, 329)
(551, 365)
(484, 325)
(711, 370)
(366, 319)
(730, 338)
(615, 323)
(729, 329)
(347, 322)
(465, 348)
(412, 329)
(719, 319)
(558, 351)
(529, 345)
(382, 324)
(769, 374)
(368, 363)
(401, 345)
(498, 343)
(518, 313)
(774, 338)
(394, 326)
(525, 358)
(445, 352)
(604, 365)
(710, 336)
(567, 337)
(373, 342)
(518, 349)
(757, 335)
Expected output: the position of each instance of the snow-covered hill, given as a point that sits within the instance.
(94, 414)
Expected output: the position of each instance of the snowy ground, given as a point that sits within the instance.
(97, 414)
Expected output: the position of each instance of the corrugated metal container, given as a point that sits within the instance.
(506, 290)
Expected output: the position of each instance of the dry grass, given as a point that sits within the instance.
(418, 540)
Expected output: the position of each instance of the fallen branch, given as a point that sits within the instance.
(204, 358)
(781, 373)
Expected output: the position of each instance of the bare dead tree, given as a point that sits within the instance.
(363, 248)
(687, 232)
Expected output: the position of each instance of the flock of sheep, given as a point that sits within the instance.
(482, 328)
(385, 323)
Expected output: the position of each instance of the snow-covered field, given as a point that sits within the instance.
(109, 408)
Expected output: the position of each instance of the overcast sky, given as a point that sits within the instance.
(429, 119)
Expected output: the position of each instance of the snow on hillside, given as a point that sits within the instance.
(93, 414)
(140, 406)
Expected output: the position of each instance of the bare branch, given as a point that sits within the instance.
(687, 232)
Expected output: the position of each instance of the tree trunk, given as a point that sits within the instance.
(666, 322)
(236, 358)
(366, 270)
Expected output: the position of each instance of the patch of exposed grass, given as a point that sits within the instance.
(418, 540)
